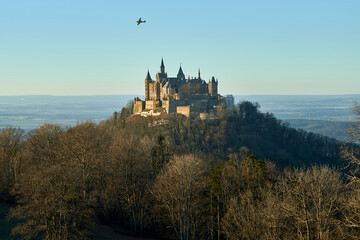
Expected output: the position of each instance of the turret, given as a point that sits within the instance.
(148, 77)
(161, 76)
(162, 66)
(148, 80)
(213, 87)
(180, 74)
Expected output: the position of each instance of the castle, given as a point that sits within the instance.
(192, 97)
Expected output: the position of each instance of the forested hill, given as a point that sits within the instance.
(176, 178)
(243, 127)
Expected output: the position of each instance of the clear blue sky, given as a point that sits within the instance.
(87, 47)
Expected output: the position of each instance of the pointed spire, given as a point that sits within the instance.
(148, 77)
(180, 73)
(199, 74)
(162, 66)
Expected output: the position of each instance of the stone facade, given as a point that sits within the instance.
(184, 110)
(188, 96)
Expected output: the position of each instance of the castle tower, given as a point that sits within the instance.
(162, 66)
(213, 87)
(157, 91)
(161, 76)
(180, 75)
(148, 80)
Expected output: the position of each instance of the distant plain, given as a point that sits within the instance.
(329, 115)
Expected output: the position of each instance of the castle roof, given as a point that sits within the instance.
(180, 73)
(173, 81)
(162, 75)
(168, 85)
(195, 80)
(148, 77)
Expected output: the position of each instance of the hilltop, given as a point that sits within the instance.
(244, 126)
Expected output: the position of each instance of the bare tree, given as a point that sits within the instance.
(131, 179)
(352, 155)
(177, 188)
(58, 193)
(9, 159)
(312, 199)
(306, 204)
(33, 189)
(244, 218)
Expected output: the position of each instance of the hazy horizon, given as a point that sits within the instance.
(130, 94)
(326, 114)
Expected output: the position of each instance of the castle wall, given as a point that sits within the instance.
(152, 104)
(185, 110)
(165, 105)
(150, 91)
(139, 106)
(208, 116)
(213, 87)
(146, 90)
(157, 91)
(196, 97)
(202, 105)
(153, 91)
(172, 105)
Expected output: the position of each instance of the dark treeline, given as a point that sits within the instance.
(263, 134)
(245, 175)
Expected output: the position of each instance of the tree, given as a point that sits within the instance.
(50, 206)
(305, 204)
(33, 189)
(312, 198)
(85, 150)
(59, 192)
(160, 154)
(9, 159)
(125, 112)
(244, 191)
(177, 188)
(351, 153)
(131, 179)
(245, 217)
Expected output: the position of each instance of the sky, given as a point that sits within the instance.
(257, 47)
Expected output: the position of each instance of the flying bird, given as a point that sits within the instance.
(139, 21)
